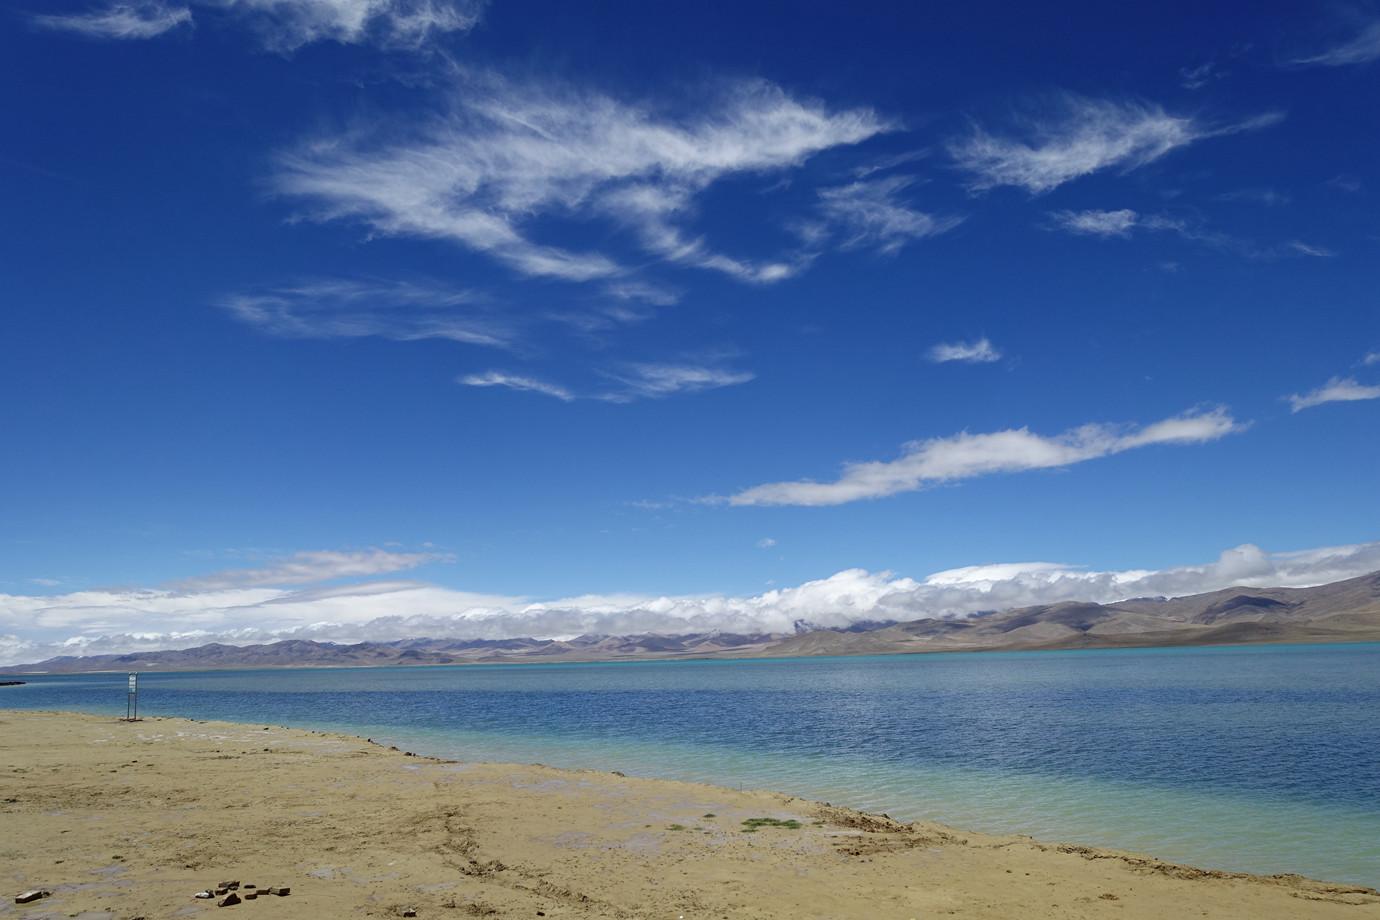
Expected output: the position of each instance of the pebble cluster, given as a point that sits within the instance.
(232, 892)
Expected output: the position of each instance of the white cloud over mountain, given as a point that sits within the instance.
(240, 607)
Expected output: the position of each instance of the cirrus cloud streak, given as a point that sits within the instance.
(1121, 223)
(965, 456)
(119, 21)
(632, 382)
(309, 567)
(341, 308)
(1076, 136)
(504, 156)
(1361, 49)
(978, 352)
(283, 25)
(1337, 389)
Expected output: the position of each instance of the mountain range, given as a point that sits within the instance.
(1344, 611)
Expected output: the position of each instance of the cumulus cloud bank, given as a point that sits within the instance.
(239, 608)
(965, 456)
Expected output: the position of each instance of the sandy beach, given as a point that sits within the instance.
(117, 820)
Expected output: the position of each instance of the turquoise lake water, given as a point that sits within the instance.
(1259, 759)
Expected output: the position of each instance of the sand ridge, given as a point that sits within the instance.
(124, 820)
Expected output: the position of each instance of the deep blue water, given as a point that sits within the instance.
(1262, 759)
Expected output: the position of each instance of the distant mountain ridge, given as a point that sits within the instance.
(1344, 611)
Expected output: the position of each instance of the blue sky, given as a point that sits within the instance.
(371, 318)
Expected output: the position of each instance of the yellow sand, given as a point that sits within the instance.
(127, 820)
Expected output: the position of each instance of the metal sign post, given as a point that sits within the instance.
(132, 698)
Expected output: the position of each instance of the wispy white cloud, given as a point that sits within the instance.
(306, 568)
(1370, 359)
(658, 380)
(1076, 136)
(645, 292)
(1192, 78)
(634, 382)
(766, 543)
(1123, 222)
(1300, 248)
(1097, 223)
(1266, 196)
(979, 352)
(285, 25)
(412, 311)
(1363, 48)
(882, 164)
(342, 308)
(119, 21)
(118, 621)
(872, 214)
(505, 157)
(966, 456)
(1349, 184)
(517, 382)
(1337, 389)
